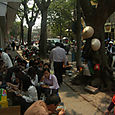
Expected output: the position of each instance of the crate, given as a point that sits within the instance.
(11, 110)
(3, 104)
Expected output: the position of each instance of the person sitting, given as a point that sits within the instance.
(6, 51)
(45, 108)
(40, 65)
(3, 70)
(49, 84)
(24, 92)
(39, 69)
(66, 66)
(6, 59)
(46, 65)
(33, 76)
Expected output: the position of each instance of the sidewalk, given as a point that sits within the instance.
(75, 104)
(100, 100)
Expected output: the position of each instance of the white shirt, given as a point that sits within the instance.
(31, 95)
(58, 54)
(17, 44)
(6, 59)
(52, 82)
(35, 81)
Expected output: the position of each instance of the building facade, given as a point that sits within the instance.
(110, 27)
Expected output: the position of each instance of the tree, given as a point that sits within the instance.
(31, 13)
(15, 30)
(96, 17)
(20, 14)
(78, 34)
(60, 17)
(43, 5)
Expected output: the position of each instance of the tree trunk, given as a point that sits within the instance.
(43, 36)
(60, 34)
(29, 36)
(78, 35)
(22, 32)
(96, 17)
(99, 57)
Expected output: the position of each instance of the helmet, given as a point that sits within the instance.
(95, 44)
(88, 32)
(110, 42)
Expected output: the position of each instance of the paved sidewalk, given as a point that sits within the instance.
(100, 100)
(75, 104)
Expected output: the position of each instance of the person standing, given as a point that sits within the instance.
(6, 51)
(110, 107)
(111, 53)
(13, 45)
(58, 57)
(8, 63)
(6, 59)
(17, 45)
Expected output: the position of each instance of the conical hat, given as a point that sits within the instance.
(95, 44)
(88, 32)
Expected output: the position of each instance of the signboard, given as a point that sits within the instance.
(3, 8)
(107, 27)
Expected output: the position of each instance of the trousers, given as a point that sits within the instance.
(58, 71)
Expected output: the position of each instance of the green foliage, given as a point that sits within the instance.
(15, 30)
(60, 16)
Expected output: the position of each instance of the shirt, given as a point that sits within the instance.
(35, 81)
(58, 54)
(52, 82)
(6, 59)
(37, 108)
(30, 95)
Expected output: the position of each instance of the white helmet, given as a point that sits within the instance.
(88, 32)
(110, 42)
(95, 44)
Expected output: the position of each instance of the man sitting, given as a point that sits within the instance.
(45, 108)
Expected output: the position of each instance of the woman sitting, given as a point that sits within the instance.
(49, 84)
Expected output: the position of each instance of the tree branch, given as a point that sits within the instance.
(25, 10)
(107, 6)
(48, 3)
(86, 7)
(110, 4)
(36, 16)
(32, 11)
(38, 4)
(43, 5)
